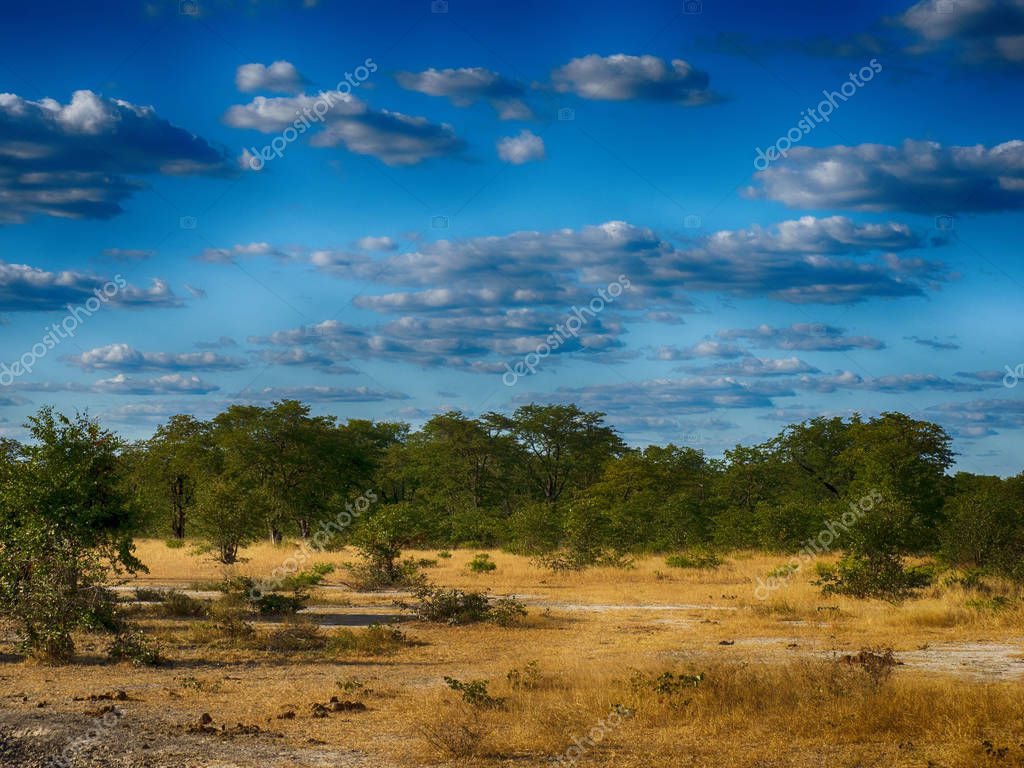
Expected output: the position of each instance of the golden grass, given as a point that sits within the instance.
(774, 692)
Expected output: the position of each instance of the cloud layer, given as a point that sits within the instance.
(80, 160)
(917, 177)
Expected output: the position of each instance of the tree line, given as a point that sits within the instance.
(555, 478)
(551, 481)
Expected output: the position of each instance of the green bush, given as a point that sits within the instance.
(694, 560)
(454, 607)
(881, 576)
(132, 645)
(482, 563)
(473, 693)
(175, 543)
(310, 577)
(276, 604)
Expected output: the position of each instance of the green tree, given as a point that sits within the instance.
(561, 446)
(169, 467)
(64, 531)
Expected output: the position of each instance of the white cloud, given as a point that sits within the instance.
(523, 148)
(78, 160)
(124, 357)
(918, 177)
(391, 137)
(279, 77)
(467, 85)
(377, 243)
(621, 78)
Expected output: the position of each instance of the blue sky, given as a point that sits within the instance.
(490, 169)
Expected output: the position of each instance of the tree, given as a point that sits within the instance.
(64, 531)
(228, 509)
(650, 499)
(561, 445)
(899, 464)
(170, 466)
(984, 525)
(454, 468)
(297, 461)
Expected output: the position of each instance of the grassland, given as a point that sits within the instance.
(649, 666)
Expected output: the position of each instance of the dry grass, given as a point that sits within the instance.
(774, 692)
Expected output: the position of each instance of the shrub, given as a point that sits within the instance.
(506, 612)
(526, 678)
(482, 563)
(380, 540)
(699, 559)
(473, 693)
(578, 559)
(458, 732)
(294, 637)
(444, 554)
(311, 577)
(241, 593)
(454, 607)
(132, 645)
(276, 604)
(174, 543)
(880, 576)
(178, 604)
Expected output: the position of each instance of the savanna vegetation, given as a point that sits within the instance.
(520, 586)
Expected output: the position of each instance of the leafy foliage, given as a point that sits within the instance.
(64, 525)
(455, 606)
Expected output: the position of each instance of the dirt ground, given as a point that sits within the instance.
(217, 705)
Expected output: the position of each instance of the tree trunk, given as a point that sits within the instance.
(178, 504)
